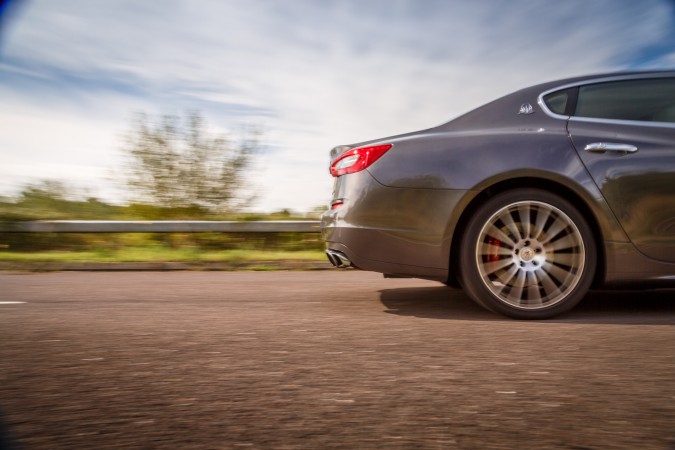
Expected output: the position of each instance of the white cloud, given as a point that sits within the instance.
(314, 74)
(77, 149)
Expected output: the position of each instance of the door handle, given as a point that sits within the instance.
(602, 147)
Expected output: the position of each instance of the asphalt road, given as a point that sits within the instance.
(327, 359)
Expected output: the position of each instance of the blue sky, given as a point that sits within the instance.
(312, 73)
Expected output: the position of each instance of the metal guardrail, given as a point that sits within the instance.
(160, 226)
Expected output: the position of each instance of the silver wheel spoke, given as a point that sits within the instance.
(498, 234)
(508, 275)
(552, 290)
(553, 231)
(517, 288)
(489, 249)
(492, 267)
(567, 259)
(563, 243)
(533, 295)
(557, 272)
(524, 214)
(542, 217)
(507, 219)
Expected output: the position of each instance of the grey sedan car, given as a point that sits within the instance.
(527, 202)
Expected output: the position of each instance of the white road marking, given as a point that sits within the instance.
(11, 303)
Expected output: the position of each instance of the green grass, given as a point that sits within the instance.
(161, 254)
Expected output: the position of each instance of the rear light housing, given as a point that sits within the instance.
(357, 159)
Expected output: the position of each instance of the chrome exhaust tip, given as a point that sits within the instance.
(338, 259)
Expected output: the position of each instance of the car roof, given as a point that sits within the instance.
(491, 113)
(599, 77)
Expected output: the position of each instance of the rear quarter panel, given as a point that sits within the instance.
(477, 160)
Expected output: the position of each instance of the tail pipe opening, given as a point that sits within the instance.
(338, 259)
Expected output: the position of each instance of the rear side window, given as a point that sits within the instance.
(557, 102)
(650, 100)
(562, 102)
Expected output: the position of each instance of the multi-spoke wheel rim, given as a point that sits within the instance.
(530, 255)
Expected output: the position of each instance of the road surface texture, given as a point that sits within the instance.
(324, 360)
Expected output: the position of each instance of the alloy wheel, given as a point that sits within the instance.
(530, 255)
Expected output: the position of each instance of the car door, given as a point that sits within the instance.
(624, 132)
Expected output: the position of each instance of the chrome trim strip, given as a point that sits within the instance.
(638, 123)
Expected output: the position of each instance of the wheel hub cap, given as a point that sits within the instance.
(526, 254)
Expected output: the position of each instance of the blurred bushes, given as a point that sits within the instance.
(51, 201)
(28, 242)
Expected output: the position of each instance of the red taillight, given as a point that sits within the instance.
(357, 159)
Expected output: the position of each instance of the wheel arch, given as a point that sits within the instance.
(545, 184)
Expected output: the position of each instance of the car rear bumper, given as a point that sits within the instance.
(404, 231)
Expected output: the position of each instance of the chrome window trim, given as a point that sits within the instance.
(643, 123)
(642, 76)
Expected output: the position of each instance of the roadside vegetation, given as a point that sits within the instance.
(176, 170)
(48, 201)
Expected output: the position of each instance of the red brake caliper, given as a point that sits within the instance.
(493, 257)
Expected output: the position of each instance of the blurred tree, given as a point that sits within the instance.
(176, 162)
(45, 189)
(56, 199)
(46, 197)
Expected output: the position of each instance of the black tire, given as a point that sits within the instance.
(527, 254)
